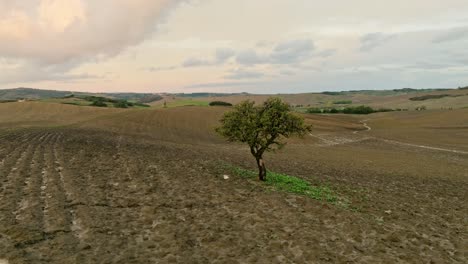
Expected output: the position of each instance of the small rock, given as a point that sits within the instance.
(226, 177)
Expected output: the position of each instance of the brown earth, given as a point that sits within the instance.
(146, 186)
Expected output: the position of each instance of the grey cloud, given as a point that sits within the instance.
(221, 84)
(28, 72)
(244, 74)
(327, 53)
(373, 40)
(431, 66)
(251, 57)
(292, 51)
(195, 62)
(224, 54)
(287, 52)
(221, 56)
(157, 69)
(452, 35)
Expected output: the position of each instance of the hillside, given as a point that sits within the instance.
(406, 98)
(106, 185)
(38, 94)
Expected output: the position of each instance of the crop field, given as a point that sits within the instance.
(92, 185)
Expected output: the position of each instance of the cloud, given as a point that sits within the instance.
(251, 57)
(244, 74)
(28, 72)
(195, 62)
(220, 57)
(327, 53)
(221, 84)
(292, 51)
(157, 69)
(286, 52)
(56, 31)
(224, 54)
(453, 34)
(51, 37)
(373, 40)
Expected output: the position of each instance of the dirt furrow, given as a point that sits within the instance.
(29, 215)
(9, 146)
(74, 190)
(56, 218)
(18, 168)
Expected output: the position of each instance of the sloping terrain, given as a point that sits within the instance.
(90, 185)
(377, 99)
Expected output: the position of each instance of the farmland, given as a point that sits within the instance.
(106, 185)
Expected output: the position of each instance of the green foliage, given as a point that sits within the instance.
(220, 103)
(186, 102)
(122, 104)
(262, 127)
(141, 105)
(343, 102)
(332, 93)
(431, 96)
(150, 98)
(358, 110)
(8, 101)
(98, 103)
(291, 184)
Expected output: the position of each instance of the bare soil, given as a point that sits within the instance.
(101, 191)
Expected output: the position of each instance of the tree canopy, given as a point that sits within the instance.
(262, 127)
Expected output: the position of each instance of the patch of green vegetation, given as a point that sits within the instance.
(188, 102)
(357, 110)
(219, 103)
(98, 103)
(343, 102)
(431, 96)
(332, 93)
(8, 101)
(290, 184)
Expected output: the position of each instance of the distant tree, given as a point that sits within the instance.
(219, 103)
(98, 103)
(165, 104)
(262, 127)
(121, 104)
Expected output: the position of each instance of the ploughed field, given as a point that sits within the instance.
(83, 185)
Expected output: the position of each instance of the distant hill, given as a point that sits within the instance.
(39, 94)
(29, 93)
(405, 98)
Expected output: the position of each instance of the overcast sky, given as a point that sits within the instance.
(258, 46)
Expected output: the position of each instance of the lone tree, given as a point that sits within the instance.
(262, 127)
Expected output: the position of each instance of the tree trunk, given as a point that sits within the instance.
(262, 173)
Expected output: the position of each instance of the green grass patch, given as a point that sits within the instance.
(290, 184)
(343, 102)
(187, 102)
